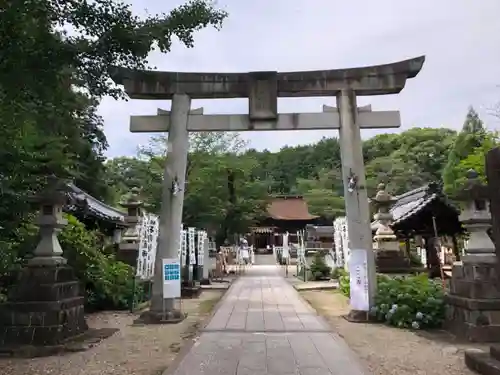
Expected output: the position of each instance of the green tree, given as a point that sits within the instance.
(472, 136)
(51, 82)
(324, 193)
(223, 175)
(223, 191)
(476, 159)
(124, 173)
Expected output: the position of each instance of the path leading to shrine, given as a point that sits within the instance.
(263, 327)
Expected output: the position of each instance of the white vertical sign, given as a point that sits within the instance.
(358, 273)
(286, 249)
(183, 247)
(200, 245)
(191, 245)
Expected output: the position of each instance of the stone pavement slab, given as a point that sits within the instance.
(263, 327)
(316, 285)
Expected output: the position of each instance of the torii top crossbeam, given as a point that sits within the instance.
(370, 80)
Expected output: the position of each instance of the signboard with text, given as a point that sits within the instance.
(359, 299)
(171, 278)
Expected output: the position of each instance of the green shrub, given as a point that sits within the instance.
(415, 260)
(345, 284)
(406, 302)
(338, 272)
(319, 268)
(411, 301)
(13, 249)
(109, 284)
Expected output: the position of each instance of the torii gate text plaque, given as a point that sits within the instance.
(263, 89)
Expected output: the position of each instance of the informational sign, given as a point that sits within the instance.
(358, 272)
(171, 278)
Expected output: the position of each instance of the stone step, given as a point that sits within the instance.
(482, 362)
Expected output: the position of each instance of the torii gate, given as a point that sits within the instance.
(263, 89)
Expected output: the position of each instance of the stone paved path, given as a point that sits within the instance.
(263, 328)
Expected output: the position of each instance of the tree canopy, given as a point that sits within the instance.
(217, 161)
(55, 67)
(57, 57)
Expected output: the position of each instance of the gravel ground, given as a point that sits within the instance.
(391, 351)
(134, 350)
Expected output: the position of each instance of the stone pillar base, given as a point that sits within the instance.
(390, 261)
(159, 317)
(357, 316)
(473, 310)
(44, 308)
(483, 362)
(190, 290)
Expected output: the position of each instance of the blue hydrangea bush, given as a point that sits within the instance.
(415, 302)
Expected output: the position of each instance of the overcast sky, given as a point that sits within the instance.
(461, 39)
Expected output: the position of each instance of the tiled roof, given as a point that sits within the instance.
(289, 208)
(414, 201)
(324, 230)
(80, 199)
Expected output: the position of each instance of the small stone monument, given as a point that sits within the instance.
(473, 310)
(190, 286)
(206, 261)
(389, 257)
(129, 246)
(203, 259)
(44, 307)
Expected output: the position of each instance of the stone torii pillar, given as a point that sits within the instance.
(263, 89)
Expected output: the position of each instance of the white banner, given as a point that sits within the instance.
(201, 246)
(171, 278)
(359, 299)
(191, 245)
(286, 249)
(183, 250)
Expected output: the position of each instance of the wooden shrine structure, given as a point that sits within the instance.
(284, 213)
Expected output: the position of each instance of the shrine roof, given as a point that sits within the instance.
(413, 202)
(289, 208)
(81, 200)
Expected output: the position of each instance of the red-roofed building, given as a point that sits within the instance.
(284, 213)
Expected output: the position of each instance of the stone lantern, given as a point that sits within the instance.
(129, 246)
(476, 220)
(384, 235)
(389, 257)
(50, 221)
(473, 302)
(45, 306)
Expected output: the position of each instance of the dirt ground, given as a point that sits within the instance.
(386, 350)
(133, 350)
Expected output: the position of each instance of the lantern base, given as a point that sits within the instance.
(44, 308)
(392, 261)
(55, 260)
(473, 303)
